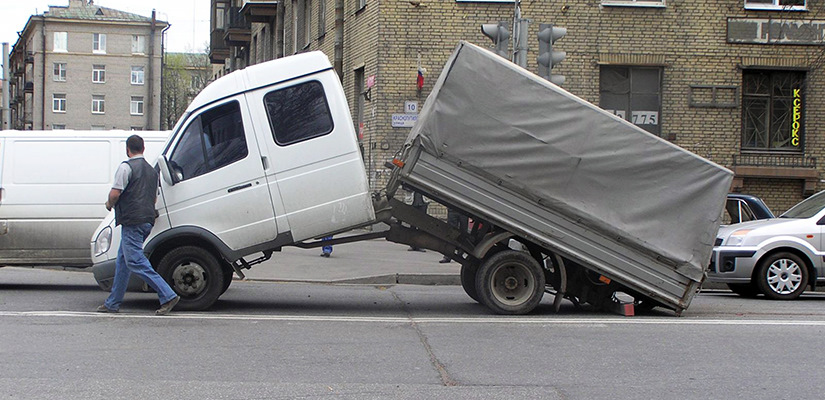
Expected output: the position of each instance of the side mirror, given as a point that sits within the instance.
(164, 171)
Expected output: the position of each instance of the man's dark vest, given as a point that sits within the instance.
(137, 200)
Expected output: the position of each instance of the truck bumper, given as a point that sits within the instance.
(104, 273)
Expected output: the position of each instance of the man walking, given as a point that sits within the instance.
(133, 197)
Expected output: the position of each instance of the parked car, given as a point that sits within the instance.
(743, 208)
(777, 257)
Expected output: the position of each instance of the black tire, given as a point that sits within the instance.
(748, 290)
(510, 282)
(782, 276)
(227, 277)
(469, 272)
(195, 275)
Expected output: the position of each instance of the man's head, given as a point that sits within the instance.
(134, 145)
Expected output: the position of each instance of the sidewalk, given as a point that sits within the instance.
(375, 262)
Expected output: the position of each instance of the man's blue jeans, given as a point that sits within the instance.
(130, 259)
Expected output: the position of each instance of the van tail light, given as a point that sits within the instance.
(398, 163)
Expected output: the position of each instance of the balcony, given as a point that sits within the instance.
(218, 50)
(259, 10)
(775, 166)
(29, 87)
(238, 29)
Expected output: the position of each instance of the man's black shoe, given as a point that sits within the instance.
(103, 309)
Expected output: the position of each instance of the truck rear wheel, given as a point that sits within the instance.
(195, 275)
(469, 271)
(510, 282)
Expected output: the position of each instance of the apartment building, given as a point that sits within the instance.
(737, 81)
(83, 67)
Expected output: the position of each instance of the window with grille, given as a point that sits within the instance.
(773, 110)
(792, 5)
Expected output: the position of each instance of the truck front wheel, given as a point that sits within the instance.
(510, 282)
(195, 275)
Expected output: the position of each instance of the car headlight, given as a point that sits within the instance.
(737, 238)
(103, 241)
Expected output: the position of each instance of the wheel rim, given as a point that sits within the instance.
(784, 276)
(189, 279)
(512, 284)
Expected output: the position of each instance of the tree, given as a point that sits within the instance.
(184, 76)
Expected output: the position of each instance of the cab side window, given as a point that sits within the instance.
(298, 113)
(211, 141)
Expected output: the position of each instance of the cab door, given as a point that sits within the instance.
(218, 181)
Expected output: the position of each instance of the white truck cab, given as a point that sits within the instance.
(263, 157)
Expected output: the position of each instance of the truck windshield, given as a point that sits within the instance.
(807, 208)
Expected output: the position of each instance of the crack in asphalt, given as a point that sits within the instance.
(443, 374)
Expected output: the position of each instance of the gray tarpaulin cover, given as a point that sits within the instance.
(504, 122)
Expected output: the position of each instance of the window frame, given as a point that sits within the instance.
(59, 72)
(136, 105)
(98, 104)
(60, 38)
(98, 74)
(775, 6)
(138, 73)
(99, 43)
(139, 42)
(628, 113)
(634, 3)
(57, 102)
(771, 100)
(58, 127)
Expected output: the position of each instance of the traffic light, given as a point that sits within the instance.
(548, 34)
(499, 34)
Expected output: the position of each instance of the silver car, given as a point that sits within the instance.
(777, 257)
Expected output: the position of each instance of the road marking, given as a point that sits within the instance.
(419, 320)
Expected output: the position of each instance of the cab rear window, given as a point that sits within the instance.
(298, 113)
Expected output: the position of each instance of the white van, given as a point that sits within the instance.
(53, 185)
(263, 157)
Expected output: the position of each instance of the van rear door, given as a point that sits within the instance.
(314, 159)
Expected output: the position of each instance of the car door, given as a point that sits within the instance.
(218, 181)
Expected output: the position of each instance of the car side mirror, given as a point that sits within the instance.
(163, 164)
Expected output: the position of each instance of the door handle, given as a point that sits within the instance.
(236, 188)
(265, 162)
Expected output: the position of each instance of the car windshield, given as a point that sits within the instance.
(807, 208)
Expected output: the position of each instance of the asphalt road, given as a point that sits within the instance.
(268, 340)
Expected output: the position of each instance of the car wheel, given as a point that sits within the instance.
(195, 275)
(782, 276)
(468, 279)
(510, 282)
(744, 289)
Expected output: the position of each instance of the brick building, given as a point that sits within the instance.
(87, 67)
(736, 81)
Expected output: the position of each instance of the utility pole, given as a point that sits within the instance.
(520, 26)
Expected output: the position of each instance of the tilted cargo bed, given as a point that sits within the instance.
(503, 144)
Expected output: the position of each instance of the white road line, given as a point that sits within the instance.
(421, 320)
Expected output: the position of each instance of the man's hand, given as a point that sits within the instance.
(114, 196)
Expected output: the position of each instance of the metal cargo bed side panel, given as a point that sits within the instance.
(565, 158)
(633, 267)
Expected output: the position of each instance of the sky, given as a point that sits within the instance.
(189, 18)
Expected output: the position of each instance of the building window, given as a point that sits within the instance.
(634, 94)
(322, 18)
(362, 4)
(776, 4)
(137, 75)
(58, 127)
(59, 103)
(61, 42)
(60, 72)
(98, 127)
(136, 105)
(358, 85)
(138, 44)
(98, 104)
(136, 128)
(634, 3)
(99, 43)
(773, 110)
(98, 73)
